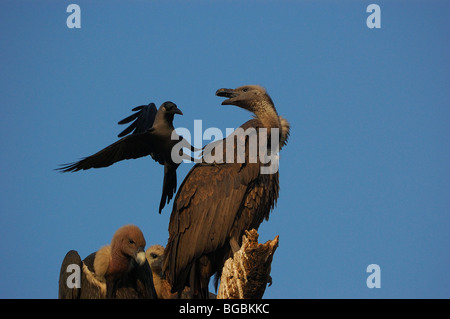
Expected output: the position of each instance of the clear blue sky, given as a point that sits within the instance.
(365, 176)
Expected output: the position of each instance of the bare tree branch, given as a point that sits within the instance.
(246, 274)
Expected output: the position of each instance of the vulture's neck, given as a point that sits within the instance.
(157, 282)
(265, 111)
(119, 263)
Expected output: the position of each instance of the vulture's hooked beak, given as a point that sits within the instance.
(229, 93)
(139, 257)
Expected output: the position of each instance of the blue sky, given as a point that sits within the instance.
(365, 176)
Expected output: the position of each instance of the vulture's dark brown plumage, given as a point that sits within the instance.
(118, 271)
(151, 135)
(216, 203)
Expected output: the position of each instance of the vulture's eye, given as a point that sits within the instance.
(153, 255)
(244, 90)
(131, 241)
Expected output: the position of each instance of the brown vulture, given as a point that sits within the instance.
(117, 271)
(152, 136)
(154, 256)
(219, 200)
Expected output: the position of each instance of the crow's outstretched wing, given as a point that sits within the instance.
(143, 120)
(128, 147)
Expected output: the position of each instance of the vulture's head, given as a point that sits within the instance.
(170, 108)
(249, 97)
(129, 242)
(154, 256)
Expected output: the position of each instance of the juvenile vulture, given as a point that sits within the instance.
(151, 136)
(217, 202)
(154, 256)
(118, 271)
